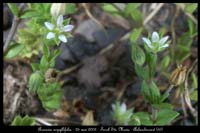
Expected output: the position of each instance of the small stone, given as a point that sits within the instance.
(87, 29)
(112, 34)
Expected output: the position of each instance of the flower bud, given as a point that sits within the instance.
(58, 9)
(178, 75)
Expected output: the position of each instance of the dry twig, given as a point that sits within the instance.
(11, 34)
(153, 13)
(187, 94)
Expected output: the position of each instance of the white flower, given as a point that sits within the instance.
(122, 108)
(58, 30)
(156, 44)
(121, 114)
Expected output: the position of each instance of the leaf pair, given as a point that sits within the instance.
(151, 92)
(25, 121)
(50, 95)
(165, 116)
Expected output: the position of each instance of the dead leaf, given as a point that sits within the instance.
(61, 114)
(65, 110)
(88, 119)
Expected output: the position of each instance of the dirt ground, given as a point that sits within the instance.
(98, 71)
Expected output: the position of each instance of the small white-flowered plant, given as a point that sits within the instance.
(121, 114)
(58, 31)
(122, 108)
(156, 43)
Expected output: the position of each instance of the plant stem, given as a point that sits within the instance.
(153, 13)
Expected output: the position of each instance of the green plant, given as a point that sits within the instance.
(44, 30)
(23, 121)
(121, 114)
(43, 80)
(145, 66)
(30, 38)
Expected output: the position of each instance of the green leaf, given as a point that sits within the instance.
(35, 81)
(144, 118)
(164, 63)
(137, 55)
(71, 8)
(163, 106)
(194, 95)
(47, 7)
(30, 14)
(151, 92)
(185, 40)
(16, 121)
(142, 72)
(14, 9)
(25, 121)
(183, 53)
(146, 91)
(165, 116)
(137, 16)
(194, 80)
(191, 7)
(135, 121)
(44, 64)
(66, 21)
(155, 93)
(135, 34)
(46, 51)
(131, 7)
(55, 54)
(50, 95)
(35, 66)
(28, 120)
(163, 97)
(191, 26)
(109, 8)
(14, 50)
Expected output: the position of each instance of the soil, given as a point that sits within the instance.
(105, 73)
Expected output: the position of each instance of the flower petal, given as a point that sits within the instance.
(164, 46)
(155, 37)
(67, 28)
(49, 25)
(147, 41)
(163, 40)
(50, 35)
(123, 107)
(62, 38)
(60, 20)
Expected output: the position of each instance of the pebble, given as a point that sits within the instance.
(87, 29)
